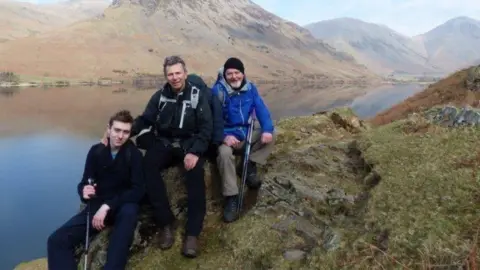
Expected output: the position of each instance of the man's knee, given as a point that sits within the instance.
(129, 211)
(57, 240)
(225, 152)
(155, 155)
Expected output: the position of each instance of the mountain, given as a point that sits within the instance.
(21, 19)
(136, 35)
(454, 44)
(448, 47)
(378, 47)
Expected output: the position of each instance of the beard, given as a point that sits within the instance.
(236, 84)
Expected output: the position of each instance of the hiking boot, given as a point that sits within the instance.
(167, 238)
(190, 247)
(230, 211)
(252, 180)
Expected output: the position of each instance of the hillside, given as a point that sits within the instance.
(454, 44)
(135, 36)
(450, 90)
(22, 19)
(376, 46)
(337, 194)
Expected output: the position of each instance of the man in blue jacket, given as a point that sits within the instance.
(240, 99)
(114, 198)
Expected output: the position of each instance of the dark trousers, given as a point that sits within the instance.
(159, 158)
(62, 243)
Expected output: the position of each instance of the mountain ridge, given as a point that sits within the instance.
(138, 34)
(22, 19)
(435, 51)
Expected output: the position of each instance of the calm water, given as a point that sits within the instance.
(45, 135)
(383, 98)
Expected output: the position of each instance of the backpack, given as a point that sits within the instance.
(220, 97)
(195, 79)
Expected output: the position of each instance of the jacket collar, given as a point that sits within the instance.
(121, 149)
(169, 93)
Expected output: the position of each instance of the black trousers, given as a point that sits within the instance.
(159, 158)
(63, 241)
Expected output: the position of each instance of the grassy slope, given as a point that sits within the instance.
(423, 214)
(428, 199)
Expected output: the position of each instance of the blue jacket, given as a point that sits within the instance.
(238, 105)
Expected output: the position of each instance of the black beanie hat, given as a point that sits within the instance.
(235, 63)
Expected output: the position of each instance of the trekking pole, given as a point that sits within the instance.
(245, 164)
(87, 237)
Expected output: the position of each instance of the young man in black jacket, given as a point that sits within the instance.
(180, 119)
(114, 199)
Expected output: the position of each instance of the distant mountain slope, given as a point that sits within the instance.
(446, 48)
(21, 19)
(378, 47)
(136, 35)
(454, 44)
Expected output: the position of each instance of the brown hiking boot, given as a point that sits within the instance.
(190, 247)
(167, 237)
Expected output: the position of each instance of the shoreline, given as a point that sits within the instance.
(135, 82)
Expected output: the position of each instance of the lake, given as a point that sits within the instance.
(45, 135)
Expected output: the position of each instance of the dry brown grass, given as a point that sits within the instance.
(450, 90)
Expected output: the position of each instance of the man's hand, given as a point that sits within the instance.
(89, 191)
(266, 137)
(190, 161)
(231, 141)
(98, 221)
(104, 139)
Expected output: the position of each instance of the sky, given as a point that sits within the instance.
(409, 17)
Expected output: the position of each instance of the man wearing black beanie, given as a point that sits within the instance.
(240, 101)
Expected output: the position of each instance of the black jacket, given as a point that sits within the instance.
(194, 134)
(119, 180)
(215, 106)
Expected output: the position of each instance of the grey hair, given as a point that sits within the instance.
(173, 60)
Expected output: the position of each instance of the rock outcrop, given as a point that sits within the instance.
(453, 116)
(473, 79)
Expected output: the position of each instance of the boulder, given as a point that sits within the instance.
(453, 116)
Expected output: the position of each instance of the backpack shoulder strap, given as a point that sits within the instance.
(161, 99)
(194, 96)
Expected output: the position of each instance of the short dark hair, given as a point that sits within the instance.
(123, 116)
(173, 60)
